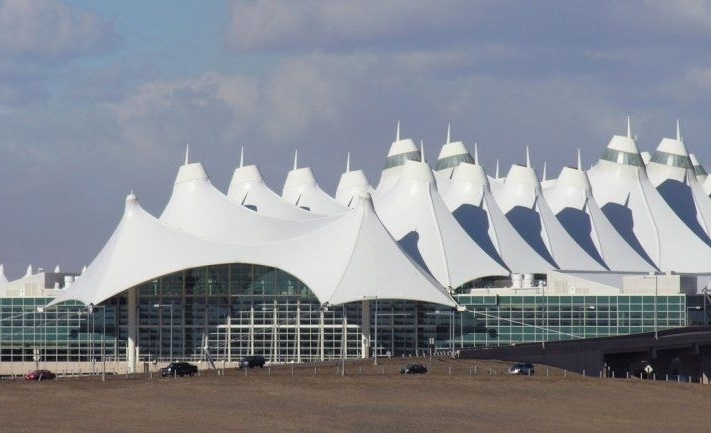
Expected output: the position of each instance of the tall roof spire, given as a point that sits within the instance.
(241, 157)
(629, 128)
(497, 169)
(422, 151)
(580, 161)
(187, 152)
(449, 133)
(528, 158)
(678, 131)
(476, 154)
(348, 162)
(397, 132)
(296, 157)
(544, 171)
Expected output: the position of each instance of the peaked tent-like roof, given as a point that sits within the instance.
(351, 185)
(401, 150)
(198, 207)
(345, 261)
(469, 198)
(301, 190)
(639, 213)
(671, 171)
(571, 200)
(247, 188)
(524, 205)
(415, 215)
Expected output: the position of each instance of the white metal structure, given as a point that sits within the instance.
(639, 213)
(521, 199)
(247, 188)
(301, 190)
(349, 258)
(467, 194)
(570, 198)
(419, 220)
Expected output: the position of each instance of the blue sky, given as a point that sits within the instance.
(99, 98)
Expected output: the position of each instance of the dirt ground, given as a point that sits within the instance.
(458, 396)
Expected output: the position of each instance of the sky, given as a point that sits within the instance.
(99, 99)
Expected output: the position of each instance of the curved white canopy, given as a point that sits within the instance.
(351, 258)
(351, 185)
(671, 171)
(301, 190)
(469, 199)
(639, 213)
(247, 188)
(415, 215)
(521, 199)
(571, 200)
(199, 208)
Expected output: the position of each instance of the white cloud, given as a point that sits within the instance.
(308, 24)
(51, 29)
(161, 115)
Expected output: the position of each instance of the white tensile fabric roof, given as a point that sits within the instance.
(350, 258)
(415, 215)
(247, 188)
(3, 278)
(570, 198)
(671, 171)
(199, 208)
(468, 197)
(639, 213)
(351, 185)
(521, 199)
(300, 189)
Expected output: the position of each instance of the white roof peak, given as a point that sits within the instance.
(476, 154)
(422, 151)
(397, 132)
(56, 269)
(29, 271)
(449, 133)
(348, 162)
(296, 157)
(241, 157)
(678, 131)
(187, 153)
(580, 161)
(497, 169)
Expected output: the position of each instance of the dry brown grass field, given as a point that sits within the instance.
(457, 396)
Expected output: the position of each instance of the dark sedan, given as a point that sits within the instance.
(413, 369)
(40, 375)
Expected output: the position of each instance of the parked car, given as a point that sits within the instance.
(522, 368)
(252, 361)
(179, 369)
(413, 369)
(40, 375)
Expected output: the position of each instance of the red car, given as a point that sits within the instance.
(40, 375)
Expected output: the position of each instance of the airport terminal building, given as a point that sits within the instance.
(444, 259)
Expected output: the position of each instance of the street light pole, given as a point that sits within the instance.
(169, 306)
(375, 345)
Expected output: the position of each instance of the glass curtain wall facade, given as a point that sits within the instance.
(224, 312)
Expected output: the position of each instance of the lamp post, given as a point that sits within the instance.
(170, 307)
(450, 322)
(91, 309)
(375, 342)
